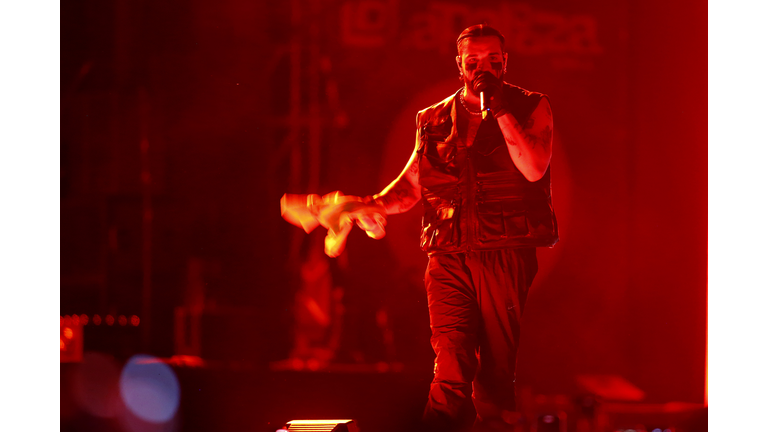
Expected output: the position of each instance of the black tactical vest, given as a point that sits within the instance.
(474, 197)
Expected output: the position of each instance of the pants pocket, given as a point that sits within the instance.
(440, 227)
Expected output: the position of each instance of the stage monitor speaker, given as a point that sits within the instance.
(320, 426)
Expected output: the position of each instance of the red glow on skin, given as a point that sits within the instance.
(122, 320)
(96, 320)
(135, 320)
(109, 320)
(479, 54)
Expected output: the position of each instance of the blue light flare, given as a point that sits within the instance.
(150, 389)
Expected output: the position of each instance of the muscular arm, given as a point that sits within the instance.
(530, 145)
(404, 192)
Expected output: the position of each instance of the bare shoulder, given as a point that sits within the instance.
(544, 109)
(511, 88)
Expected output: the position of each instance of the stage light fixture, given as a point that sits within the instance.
(320, 426)
(70, 340)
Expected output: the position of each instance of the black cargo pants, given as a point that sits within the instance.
(475, 303)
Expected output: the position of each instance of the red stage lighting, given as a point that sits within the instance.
(70, 341)
(122, 320)
(84, 319)
(135, 320)
(321, 426)
(109, 320)
(96, 319)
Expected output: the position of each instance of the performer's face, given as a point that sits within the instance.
(478, 54)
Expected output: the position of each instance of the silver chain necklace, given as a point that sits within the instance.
(464, 104)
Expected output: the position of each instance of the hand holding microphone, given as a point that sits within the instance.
(491, 94)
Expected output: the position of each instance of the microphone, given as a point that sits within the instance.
(481, 86)
(483, 108)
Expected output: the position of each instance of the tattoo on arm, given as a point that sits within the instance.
(542, 138)
(536, 130)
(531, 139)
(546, 134)
(403, 193)
(400, 196)
(394, 196)
(529, 123)
(519, 152)
(414, 168)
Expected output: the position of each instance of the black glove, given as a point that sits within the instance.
(486, 82)
(491, 87)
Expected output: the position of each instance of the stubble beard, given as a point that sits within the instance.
(468, 84)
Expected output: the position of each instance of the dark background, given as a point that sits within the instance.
(209, 88)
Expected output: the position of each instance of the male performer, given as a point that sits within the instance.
(485, 187)
(484, 183)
